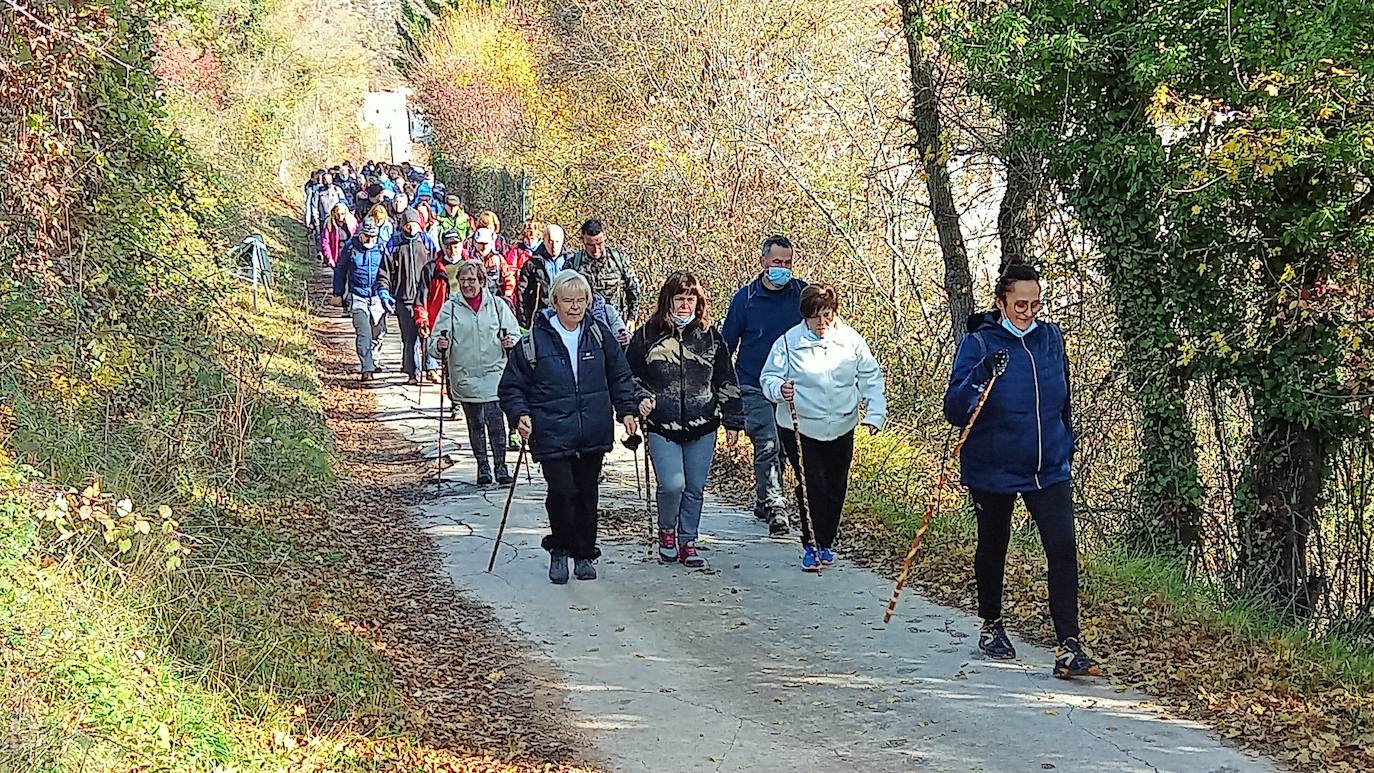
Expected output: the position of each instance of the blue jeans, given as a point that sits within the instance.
(681, 470)
(761, 425)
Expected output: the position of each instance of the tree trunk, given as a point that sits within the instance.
(1019, 215)
(1286, 483)
(925, 114)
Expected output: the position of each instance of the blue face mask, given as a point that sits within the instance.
(1014, 330)
(809, 334)
(682, 322)
(779, 276)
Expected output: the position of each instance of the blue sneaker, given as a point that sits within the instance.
(810, 561)
(827, 557)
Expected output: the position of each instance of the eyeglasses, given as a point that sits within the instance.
(1027, 307)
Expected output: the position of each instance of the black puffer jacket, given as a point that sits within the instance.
(692, 380)
(570, 416)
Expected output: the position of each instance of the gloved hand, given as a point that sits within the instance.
(994, 364)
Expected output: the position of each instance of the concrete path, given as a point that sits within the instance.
(755, 666)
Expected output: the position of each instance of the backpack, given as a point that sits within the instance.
(527, 343)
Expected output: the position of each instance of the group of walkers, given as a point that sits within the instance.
(547, 340)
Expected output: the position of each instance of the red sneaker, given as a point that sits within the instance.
(688, 556)
(667, 546)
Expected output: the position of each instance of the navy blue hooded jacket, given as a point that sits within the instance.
(757, 317)
(570, 416)
(362, 271)
(1024, 439)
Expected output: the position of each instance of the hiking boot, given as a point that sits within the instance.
(1071, 660)
(826, 556)
(667, 546)
(777, 525)
(432, 376)
(810, 561)
(484, 478)
(412, 380)
(688, 556)
(761, 513)
(503, 476)
(583, 569)
(558, 567)
(993, 641)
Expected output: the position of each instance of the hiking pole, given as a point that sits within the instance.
(999, 366)
(443, 390)
(633, 442)
(807, 525)
(505, 512)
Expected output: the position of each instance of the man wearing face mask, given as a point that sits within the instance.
(361, 286)
(411, 249)
(759, 313)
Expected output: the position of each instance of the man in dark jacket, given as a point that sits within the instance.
(532, 286)
(361, 286)
(561, 385)
(411, 249)
(760, 312)
(608, 271)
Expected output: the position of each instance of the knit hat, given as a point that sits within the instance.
(370, 229)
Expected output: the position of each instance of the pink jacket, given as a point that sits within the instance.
(335, 236)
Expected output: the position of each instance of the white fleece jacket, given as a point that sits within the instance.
(833, 375)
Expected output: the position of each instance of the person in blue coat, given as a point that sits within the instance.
(361, 285)
(1021, 445)
(561, 385)
(759, 313)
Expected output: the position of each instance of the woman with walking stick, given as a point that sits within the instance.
(560, 387)
(1022, 444)
(820, 371)
(474, 331)
(681, 358)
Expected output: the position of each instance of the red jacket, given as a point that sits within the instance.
(517, 256)
(435, 278)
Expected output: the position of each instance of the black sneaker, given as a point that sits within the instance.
(1070, 660)
(777, 525)
(993, 641)
(503, 476)
(484, 479)
(583, 569)
(761, 513)
(558, 567)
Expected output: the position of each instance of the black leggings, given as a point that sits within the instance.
(827, 481)
(1052, 509)
(571, 503)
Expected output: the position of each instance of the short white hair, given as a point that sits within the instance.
(554, 231)
(569, 282)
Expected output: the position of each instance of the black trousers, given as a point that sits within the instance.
(410, 338)
(1052, 509)
(486, 434)
(827, 480)
(571, 504)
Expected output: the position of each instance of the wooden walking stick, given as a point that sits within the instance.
(999, 366)
(807, 525)
(505, 512)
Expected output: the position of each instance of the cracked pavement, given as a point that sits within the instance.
(755, 666)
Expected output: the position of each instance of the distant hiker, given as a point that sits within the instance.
(439, 277)
(396, 205)
(1022, 444)
(340, 228)
(532, 286)
(308, 205)
(488, 219)
(327, 196)
(424, 190)
(825, 369)
(560, 387)
(679, 356)
(607, 269)
(759, 313)
(454, 218)
(519, 253)
(360, 285)
(480, 328)
(500, 278)
(429, 223)
(409, 252)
